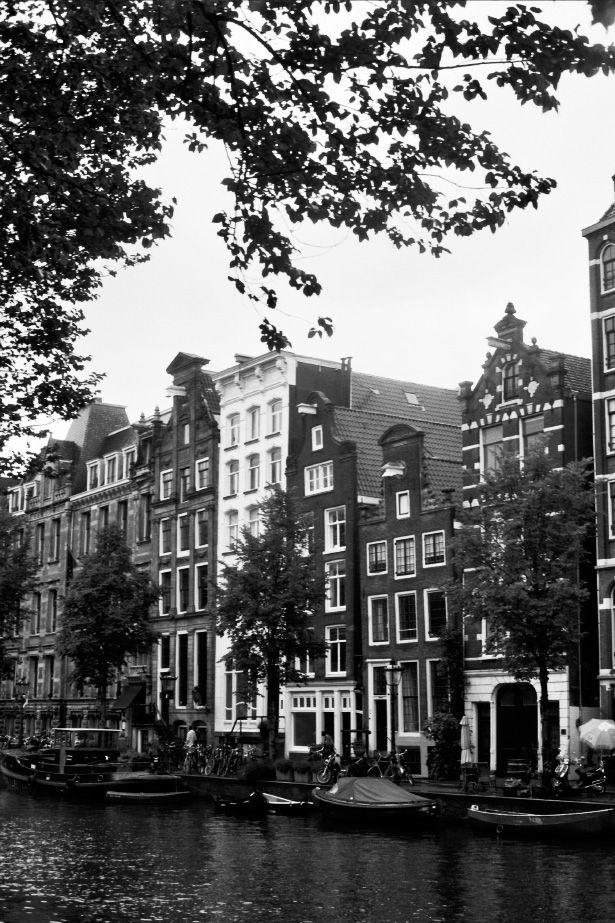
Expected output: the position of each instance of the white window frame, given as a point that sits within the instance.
(317, 438)
(197, 569)
(611, 508)
(322, 480)
(161, 549)
(603, 288)
(232, 529)
(427, 535)
(396, 541)
(429, 663)
(605, 349)
(400, 504)
(253, 471)
(338, 578)
(376, 573)
(253, 424)
(254, 521)
(166, 481)
(484, 445)
(178, 572)
(201, 465)
(427, 593)
(165, 570)
(334, 527)
(400, 699)
(276, 410)
(398, 597)
(185, 486)
(609, 423)
(341, 644)
(232, 477)
(233, 424)
(130, 458)
(275, 465)
(370, 612)
(197, 518)
(94, 475)
(183, 517)
(111, 476)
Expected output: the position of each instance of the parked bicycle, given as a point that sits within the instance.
(391, 766)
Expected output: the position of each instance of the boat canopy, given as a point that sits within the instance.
(365, 790)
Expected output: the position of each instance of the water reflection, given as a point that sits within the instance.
(65, 863)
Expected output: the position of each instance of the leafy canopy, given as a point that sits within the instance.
(18, 569)
(329, 112)
(520, 551)
(105, 618)
(267, 598)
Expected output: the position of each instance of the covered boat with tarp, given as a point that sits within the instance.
(368, 800)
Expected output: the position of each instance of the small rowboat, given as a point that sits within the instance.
(575, 823)
(148, 797)
(278, 805)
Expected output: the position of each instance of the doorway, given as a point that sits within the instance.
(517, 724)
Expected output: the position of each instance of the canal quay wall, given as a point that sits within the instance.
(453, 804)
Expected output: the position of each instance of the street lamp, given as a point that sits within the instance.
(393, 679)
(167, 691)
(20, 693)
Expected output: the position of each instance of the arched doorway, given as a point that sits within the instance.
(517, 724)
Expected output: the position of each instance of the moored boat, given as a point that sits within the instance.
(145, 797)
(574, 823)
(373, 801)
(278, 805)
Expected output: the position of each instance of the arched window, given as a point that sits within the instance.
(607, 262)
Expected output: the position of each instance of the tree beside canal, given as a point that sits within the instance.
(266, 602)
(520, 551)
(17, 571)
(106, 615)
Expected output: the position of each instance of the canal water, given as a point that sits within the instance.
(71, 863)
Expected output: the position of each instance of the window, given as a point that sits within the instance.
(165, 652)
(254, 416)
(145, 517)
(533, 434)
(437, 687)
(378, 609)
(185, 428)
(183, 588)
(335, 578)
(433, 549)
(199, 692)
(201, 473)
(435, 613)
(317, 438)
(201, 583)
(232, 529)
(376, 558)
(48, 669)
(165, 536)
(254, 469)
(103, 517)
(402, 503)
(275, 466)
(303, 720)
(93, 476)
(183, 534)
(405, 605)
(111, 463)
(182, 668)
(510, 381)
(304, 664)
(164, 581)
(609, 342)
(202, 529)
(130, 457)
(492, 447)
(39, 542)
(84, 533)
(410, 697)
(122, 515)
(52, 610)
(335, 528)
(335, 661)
(275, 416)
(232, 477)
(612, 508)
(232, 425)
(319, 478)
(610, 424)
(607, 260)
(254, 521)
(404, 552)
(166, 484)
(184, 484)
(35, 624)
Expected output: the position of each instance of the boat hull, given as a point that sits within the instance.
(571, 823)
(373, 802)
(125, 797)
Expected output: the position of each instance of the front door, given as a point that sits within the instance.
(517, 724)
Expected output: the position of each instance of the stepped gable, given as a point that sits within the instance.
(441, 447)
(407, 400)
(89, 431)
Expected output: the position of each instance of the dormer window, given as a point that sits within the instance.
(607, 268)
(317, 439)
(93, 476)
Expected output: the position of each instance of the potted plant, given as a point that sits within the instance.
(284, 770)
(303, 771)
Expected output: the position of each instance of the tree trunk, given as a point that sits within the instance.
(543, 751)
(273, 707)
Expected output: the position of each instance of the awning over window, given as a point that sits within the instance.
(129, 696)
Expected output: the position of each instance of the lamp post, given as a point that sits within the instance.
(20, 694)
(167, 691)
(393, 678)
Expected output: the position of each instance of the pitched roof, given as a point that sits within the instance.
(578, 371)
(413, 403)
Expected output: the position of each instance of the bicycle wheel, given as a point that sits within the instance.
(374, 772)
(323, 775)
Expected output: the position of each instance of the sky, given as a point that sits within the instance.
(396, 313)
